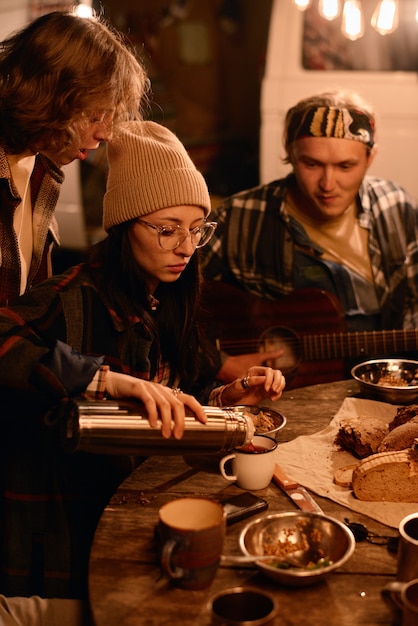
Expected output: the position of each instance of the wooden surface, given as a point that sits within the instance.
(126, 587)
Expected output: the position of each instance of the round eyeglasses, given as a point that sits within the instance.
(171, 237)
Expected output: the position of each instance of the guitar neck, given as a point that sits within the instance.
(308, 325)
(345, 345)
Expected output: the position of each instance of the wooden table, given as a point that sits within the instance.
(126, 588)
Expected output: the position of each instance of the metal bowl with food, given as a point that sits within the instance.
(304, 547)
(266, 420)
(389, 380)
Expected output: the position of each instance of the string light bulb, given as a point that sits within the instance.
(84, 8)
(386, 17)
(352, 24)
(302, 5)
(329, 9)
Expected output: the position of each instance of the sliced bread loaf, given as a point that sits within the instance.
(387, 476)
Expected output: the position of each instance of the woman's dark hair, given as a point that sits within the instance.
(53, 70)
(174, 327)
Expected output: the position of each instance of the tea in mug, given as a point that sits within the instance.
(253, 449)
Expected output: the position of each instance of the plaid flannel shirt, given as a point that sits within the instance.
(51, 499)
(254, 245)
(45, 183)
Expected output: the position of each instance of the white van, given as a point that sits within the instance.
(377, 63)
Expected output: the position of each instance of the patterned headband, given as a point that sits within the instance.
(323, 121)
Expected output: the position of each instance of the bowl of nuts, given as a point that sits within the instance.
(267, 421)
(388, 380)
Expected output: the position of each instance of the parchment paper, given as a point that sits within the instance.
(312, 460)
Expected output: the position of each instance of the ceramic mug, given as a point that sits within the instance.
(252, 465)
(407, 567)
(402, 597)
(191, 533)
(241, 606)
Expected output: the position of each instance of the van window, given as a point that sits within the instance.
(324, 46)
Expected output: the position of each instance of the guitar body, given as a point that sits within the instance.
(242, 323)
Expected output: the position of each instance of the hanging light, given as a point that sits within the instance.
(329, 9)
(352, 24)
(84, 8)
(386, 16)
(302, 5)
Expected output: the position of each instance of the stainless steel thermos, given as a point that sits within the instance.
(122, 427)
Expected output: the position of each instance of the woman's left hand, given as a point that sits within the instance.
(256, 384)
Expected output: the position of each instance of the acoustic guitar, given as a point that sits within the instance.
(308, 324)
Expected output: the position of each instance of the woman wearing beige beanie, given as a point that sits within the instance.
(123, 323)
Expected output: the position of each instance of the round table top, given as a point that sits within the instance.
(125, 583)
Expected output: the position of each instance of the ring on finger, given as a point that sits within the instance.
(176, 391)
(244, 382)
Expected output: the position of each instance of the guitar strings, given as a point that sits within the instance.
(334, 345)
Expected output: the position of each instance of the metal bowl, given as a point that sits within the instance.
(389, 380)
(305, 537)
(258, 412)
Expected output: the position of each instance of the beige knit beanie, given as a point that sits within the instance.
(149, 169)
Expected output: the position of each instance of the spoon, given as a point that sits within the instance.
(288, 560)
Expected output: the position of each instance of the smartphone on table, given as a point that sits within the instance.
(243, 505)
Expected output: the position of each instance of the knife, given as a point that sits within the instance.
(300, 496)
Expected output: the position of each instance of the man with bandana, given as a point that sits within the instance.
(327, 225)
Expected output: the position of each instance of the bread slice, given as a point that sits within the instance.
(387, 476)
(343, 476)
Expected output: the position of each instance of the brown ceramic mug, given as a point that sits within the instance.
(191, 533)
(402, 597)
(407, 567)
(242, 606)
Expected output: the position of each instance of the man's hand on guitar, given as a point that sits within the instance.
(233, 367)
(255, 385)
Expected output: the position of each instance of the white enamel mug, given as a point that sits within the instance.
(252, 465)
